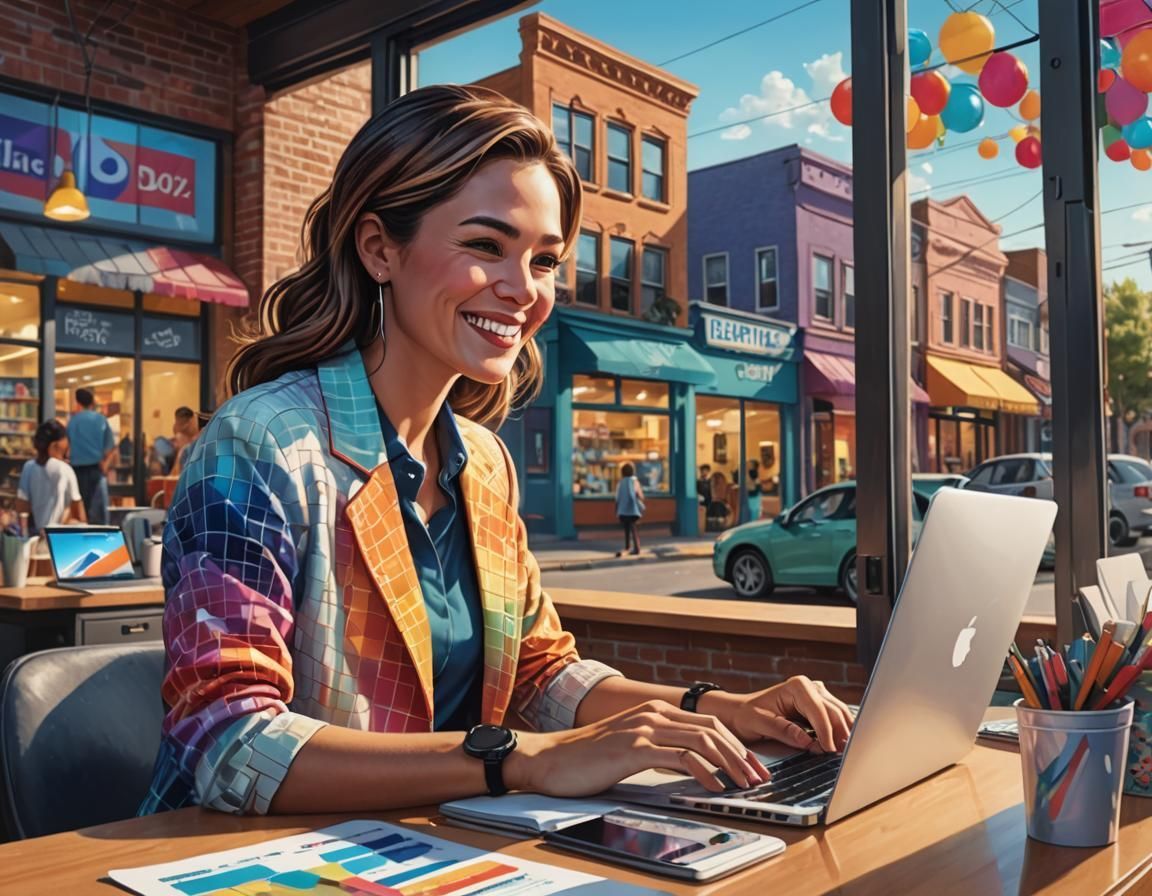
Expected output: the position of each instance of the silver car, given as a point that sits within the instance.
(1030, 475)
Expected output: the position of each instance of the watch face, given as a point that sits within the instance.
(488, 737)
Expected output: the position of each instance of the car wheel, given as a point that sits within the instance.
(749, 574)
(848, 577)
(1118, 533)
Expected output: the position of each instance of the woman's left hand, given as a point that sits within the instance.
(774, 712)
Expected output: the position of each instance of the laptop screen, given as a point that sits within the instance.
(88, 553)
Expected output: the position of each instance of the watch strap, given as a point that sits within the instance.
(692, 695)
(494, 775)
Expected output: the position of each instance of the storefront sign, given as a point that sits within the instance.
(747, 336)
(94, 330)
(156, 181)
(1042, 389)
(168, 337)
(757, 373)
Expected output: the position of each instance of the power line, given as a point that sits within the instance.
(1147, 257)
(1002, 7)
(727, 37)
(976, 181)
(733, 124)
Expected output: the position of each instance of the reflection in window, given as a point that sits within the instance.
(619, 158)
(621, 273)
(652, 169)
(164, 387)
(19, 416)
(593, 389)
(588, 269)
(767, 298)
(822, 287)
(644, 393)
(110, 380)
(716, 279)
(19, 311)
(652, 276)
(604, 440)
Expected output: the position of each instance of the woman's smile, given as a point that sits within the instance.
(500, 330)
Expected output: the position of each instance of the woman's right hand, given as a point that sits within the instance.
(588, 760)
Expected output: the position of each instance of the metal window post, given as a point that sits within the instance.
(1068, 47)
(883, 338)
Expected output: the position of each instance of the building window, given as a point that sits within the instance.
(594, 389)
(652, 169)
(603, 441)
(822, 287)
(767, 296)
(652, 276)
(915, 315)
(1020, 332)
(619, 158)
(563, 275)
(1043, 340)
(849, 275)
(989, 345)
(621, 274)
(946, 318)
(965, 322)
(588, 269)
(716, 278)
(574, 135)
(978, 329)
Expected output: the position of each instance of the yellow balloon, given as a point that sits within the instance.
(912, 114)
(1018, 133)
(988, 148)
(924, 132)
(966, 39)
(1030, 106)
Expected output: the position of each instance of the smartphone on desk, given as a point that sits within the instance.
(666, 845)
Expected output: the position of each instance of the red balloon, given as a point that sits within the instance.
(1118, 151)
(1105, 79)
(1028, 152)
(930, 90)
(842, 102)
(1003, 80)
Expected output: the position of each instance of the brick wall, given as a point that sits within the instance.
(677, 656)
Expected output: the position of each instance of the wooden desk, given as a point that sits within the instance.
(959, 832)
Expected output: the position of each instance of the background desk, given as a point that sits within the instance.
(959, 832)
(38, 617)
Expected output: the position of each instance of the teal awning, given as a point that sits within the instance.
(585, 350)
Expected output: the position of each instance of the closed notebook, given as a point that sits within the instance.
(525, 813)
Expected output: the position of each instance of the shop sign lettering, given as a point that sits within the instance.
(757, 373)
(172, 338)
(166, 338)
(87, 328)
(746, 336)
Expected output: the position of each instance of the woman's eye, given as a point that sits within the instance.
(551, 262)
(489, 246)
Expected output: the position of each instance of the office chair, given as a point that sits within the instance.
(79, 731)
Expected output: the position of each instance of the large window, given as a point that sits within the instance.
(619, 158)
(946, 335)
(652, 177)
(621, 273)
(822, 287)
(164, 387)
(588, 269)
(112, 383)
(19, 311)
(965, 322)
(767, 292)
(716, 278)
(603, 441)
(575, 136)
(653, 277)
(19, 416)
(849, 275)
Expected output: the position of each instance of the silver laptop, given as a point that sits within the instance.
(967, 585)
(93, 558)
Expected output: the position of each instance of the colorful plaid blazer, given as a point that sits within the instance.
(292, 601)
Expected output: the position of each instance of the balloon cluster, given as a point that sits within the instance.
(1125, 81)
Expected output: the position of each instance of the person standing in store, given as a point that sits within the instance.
(629, 507)
(185, 428)
(93, 452)
(704, 485)
(48, 489)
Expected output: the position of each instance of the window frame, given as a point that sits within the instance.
(570, 146)
(845, 267)
(613, 280)
(662, 144)
(665, 253)
(775, 250)
(965, 323)
(947, 324)
(978, 326)
(816, 315)
(704, 259)
(595, 271)
(611, 126)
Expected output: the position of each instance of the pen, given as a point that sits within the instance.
(1094, 664)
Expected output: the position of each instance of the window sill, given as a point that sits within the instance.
(615, 194)
(654, 205)
(589, 187)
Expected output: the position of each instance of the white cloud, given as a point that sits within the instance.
(1143, 215)
(737, 132)
(926, 167)
(917, 183)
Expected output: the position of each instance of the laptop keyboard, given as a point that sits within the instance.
(802, 780)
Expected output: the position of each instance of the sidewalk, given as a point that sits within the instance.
(597, 553)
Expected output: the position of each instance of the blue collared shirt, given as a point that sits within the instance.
(89, 438)
(442, 555)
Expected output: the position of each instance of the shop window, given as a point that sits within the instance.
(849, 277)
(716, 278)
(574, 135)
(588, 269)
(603, 441)
(619, 158)
(652, 276)
(19, 417)
(164, 387)
(652, 152)
(85, 294)
(767, 295)
(763, 461)
(644, 393)
(977, 328)
(111, 382)
(621, 273)
(171, 305)
(965, 322)
(946, 335)
(822, 287)
(19, 311)
(593, 389)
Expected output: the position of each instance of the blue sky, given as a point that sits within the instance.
(799, 58)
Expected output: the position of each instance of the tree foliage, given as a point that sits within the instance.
(1128, 323)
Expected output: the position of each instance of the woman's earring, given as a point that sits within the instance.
(380, 307)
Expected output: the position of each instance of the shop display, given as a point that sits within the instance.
(603, 441)
(19, 407)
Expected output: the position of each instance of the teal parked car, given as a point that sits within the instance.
(813, 543)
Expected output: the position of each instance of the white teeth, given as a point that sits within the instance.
(506, 331)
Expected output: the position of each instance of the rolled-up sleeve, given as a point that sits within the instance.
(230, 567)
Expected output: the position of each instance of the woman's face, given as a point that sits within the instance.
(477, 280)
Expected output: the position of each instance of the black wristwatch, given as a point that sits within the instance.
(491, 743)
(692, 695)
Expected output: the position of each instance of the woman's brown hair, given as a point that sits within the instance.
(416, 153)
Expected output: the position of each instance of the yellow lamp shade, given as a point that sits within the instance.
(66, 203)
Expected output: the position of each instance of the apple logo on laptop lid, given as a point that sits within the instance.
(963, 644)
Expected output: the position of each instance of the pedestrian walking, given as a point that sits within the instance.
(629, 507)
(755, 490)
(93, 449)
(48, 489)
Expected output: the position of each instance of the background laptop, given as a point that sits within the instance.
(93, 558)
(957, 612)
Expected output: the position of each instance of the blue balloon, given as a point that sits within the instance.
(919, 47)
(964, 110)
(1109, 53)
(1138, 134)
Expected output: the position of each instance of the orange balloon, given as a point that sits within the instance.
(1030, 106)
(1141, 159)
(912, 114)
(924, 132)
(1018, 133)
(966, 40)
(988, 148)
(1136, 61)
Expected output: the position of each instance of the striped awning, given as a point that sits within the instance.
(118, 263)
